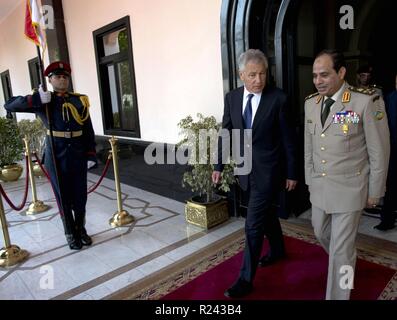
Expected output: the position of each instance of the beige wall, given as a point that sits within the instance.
(15, 51)
(177, 57)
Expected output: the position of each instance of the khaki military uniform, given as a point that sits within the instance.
(346, 162)
(378, 90)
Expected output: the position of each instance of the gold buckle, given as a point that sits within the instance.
(68, 134)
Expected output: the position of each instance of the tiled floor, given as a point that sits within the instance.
(119, 257)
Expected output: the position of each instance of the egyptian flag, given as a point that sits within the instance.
(33, 29)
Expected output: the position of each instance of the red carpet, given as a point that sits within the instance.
(300, 277)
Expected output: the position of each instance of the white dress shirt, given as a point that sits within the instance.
(335, 97)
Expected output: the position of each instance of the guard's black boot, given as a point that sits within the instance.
(81, 231)
(73, 242)
(85, 238)
(72, 238)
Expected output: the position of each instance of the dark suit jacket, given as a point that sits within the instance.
(391, 110)
(273, 145)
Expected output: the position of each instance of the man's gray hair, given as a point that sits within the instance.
(252, 55)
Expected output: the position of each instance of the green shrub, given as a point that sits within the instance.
(199, 178)
(11, 146)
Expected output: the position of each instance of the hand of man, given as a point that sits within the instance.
(216, 177)
(45, 96)
(372, 202)
(290, 184)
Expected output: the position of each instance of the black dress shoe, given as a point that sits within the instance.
(383, 226)
(84, 237)
(86, 240)
(268, 259)
(240, 289)
(375, 210)
(74, 243)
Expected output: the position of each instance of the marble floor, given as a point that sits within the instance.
(119, 257)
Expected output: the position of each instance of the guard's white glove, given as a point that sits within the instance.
(90, 164)
(45, 96)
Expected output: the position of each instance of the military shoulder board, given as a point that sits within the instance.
(369, 92)
(311, 96)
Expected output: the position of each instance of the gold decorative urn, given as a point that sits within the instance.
(206, 215)
(11, 172)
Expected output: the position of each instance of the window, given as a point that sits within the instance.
(34, 73)
(6, 83)
(7, 91)
(115, 67)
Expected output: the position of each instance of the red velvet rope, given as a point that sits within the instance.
(25, 196)
(41, 166)
(90, 189)
(105, 170)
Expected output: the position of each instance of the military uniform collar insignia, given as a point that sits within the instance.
(346, 97)
(369, 92)
(311, 96)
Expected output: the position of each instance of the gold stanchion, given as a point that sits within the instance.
(36, 206)
(121, 217)
(10, 255)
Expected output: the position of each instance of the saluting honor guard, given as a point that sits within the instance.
(73, 137)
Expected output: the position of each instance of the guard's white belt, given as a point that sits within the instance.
(66, 134)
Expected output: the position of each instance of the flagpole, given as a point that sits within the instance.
(41, 69)
(54, 160)
(33, 32)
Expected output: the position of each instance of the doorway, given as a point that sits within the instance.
(292, 32)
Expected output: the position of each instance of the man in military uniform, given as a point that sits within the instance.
(364, 79)
(74, 146)
(346, 159)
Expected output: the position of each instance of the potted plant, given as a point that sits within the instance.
(11, 150)
(35, 131)
(200, 137)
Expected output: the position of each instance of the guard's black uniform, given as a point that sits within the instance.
(74, 144)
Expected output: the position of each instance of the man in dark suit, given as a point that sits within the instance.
(388, 215)
(261, 112)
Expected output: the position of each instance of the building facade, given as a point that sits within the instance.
(145, 65)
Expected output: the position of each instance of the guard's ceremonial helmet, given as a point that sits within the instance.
(58, 68)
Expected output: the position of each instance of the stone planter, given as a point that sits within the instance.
(206, 215)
